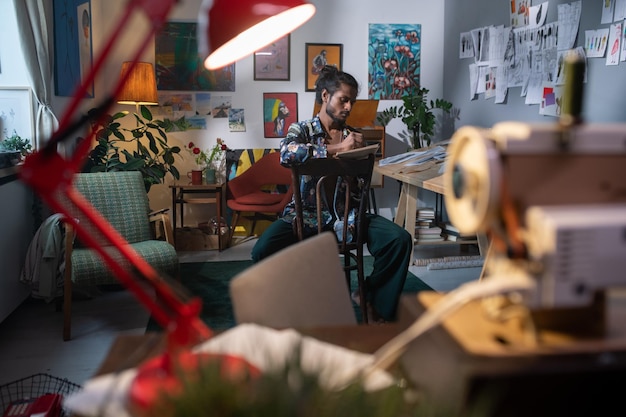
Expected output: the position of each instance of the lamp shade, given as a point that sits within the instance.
(228, 30)
(140, 86)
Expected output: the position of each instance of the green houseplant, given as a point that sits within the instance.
(417, 114)
(16, 143)
(143, 148)
(13, 149)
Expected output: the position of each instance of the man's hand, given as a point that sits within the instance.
(353, 140)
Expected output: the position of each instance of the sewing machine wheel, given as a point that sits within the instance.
(471, 180)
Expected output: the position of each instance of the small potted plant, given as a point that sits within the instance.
(417, 114)
(13, 149)
(209, 160)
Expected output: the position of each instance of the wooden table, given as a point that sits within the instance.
(185, 193)
(128, 351)
(428, 179)
(577, 360)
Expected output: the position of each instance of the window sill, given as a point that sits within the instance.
(9, 174)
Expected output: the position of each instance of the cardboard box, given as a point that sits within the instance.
(194, 239)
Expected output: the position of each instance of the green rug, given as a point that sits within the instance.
(209, 281)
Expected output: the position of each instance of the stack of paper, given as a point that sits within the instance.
(412, 158)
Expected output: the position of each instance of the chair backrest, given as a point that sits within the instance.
(299, 286)
(328, 169)
(121, 198)
(265, 171)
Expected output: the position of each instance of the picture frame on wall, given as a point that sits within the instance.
(279, 111)
(178, 64)
(73, 51)
(16, 113)
(272, 62)
(316, 56)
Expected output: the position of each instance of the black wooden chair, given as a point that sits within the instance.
(355, 175)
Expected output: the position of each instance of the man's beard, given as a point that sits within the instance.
(335, 119)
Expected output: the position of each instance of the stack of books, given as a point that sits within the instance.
(426, 230)
(452, 233)
(429, 235)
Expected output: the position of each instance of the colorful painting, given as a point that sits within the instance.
(394, 52)
(73, 53)
(279, 111)
(316, 56)
(179, 66)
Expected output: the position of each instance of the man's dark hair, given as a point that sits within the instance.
(331, 78)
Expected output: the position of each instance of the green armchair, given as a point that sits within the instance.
(121, 198)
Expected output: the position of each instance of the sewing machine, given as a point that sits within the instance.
(552, 200)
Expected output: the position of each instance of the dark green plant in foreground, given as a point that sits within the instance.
(290, 392)
(417, 114)
(143, 148)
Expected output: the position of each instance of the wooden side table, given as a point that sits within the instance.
(197, 194)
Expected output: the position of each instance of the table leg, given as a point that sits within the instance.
(181, 200)
(174, 212)
(401, 207)
(411, 209)
(218, 201)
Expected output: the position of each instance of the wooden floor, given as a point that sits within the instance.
(31, 342)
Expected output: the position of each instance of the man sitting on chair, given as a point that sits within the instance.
(323, 136)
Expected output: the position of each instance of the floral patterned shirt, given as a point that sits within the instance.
(304, 141)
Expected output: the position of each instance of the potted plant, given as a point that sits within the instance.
(13, 149)
(143, 148)
(417, 114)
(211, 160)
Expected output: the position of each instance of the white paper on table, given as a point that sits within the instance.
(437, 153)
(265, 348)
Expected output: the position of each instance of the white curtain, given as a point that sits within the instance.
(34, 19)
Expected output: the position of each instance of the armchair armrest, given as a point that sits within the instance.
(161, 216)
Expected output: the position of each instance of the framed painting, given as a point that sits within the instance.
(16, 113)
(393, 67)
(279, 111)
(272, 63)
(317, 55)
(178, 65)
(73, 52)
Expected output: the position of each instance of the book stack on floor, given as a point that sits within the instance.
(426, 230)
(452, 234)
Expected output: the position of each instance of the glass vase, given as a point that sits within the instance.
(209, 175)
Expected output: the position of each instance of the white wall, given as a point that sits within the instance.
(16, 221)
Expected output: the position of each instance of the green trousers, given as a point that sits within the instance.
(388, 243)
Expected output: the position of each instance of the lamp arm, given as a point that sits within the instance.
(51, 177)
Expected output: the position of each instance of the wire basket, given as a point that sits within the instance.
(34, 386)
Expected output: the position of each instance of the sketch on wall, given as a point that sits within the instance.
(236, 120)
(394, 52)
(179, 66)
(73, 53)
(272, 62)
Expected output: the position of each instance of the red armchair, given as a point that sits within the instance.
(254, 192)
